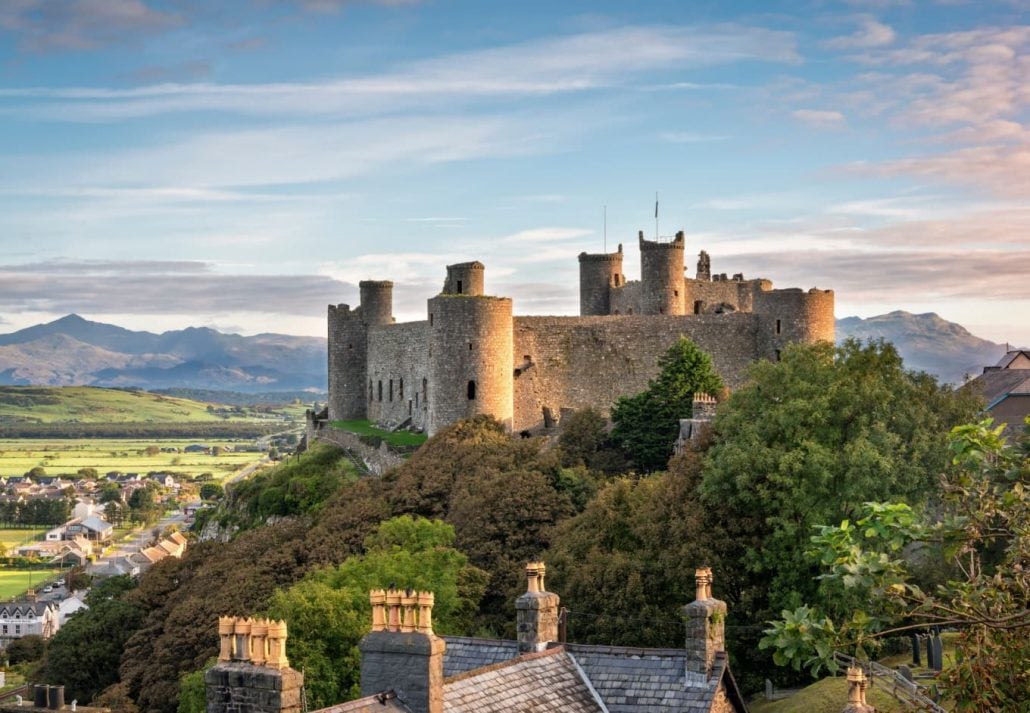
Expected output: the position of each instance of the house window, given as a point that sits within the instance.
(380, 391)
(5, 628)
(472, 391)
(17, 628)
(777, 326)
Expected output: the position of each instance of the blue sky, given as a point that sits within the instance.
(241, 164)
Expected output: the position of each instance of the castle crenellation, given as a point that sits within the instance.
(472, 355)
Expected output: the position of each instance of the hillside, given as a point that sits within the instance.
(85, 404)
(927, 343)
(73, 351)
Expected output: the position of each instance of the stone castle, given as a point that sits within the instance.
(472, 356)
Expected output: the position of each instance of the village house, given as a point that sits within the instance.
(28, 616)
(1006, 389)
(406, 667)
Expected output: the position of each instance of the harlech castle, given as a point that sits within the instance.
(471, 355)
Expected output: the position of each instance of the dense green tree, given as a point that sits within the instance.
(211, 491)
(87, 472)
(584, 442)
(328, 611)
(36, 472)
(193, 691)
(27, 648)
(814, 436)
(502, 495)
(83, 656)
(646, 425)
(869, 591)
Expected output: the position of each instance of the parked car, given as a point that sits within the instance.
(59, 583)
(47, 589)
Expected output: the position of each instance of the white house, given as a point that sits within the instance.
(25, 617)
(69, 606)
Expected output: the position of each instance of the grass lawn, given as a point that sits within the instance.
(14, 582)
(65, 456)
(87, 404)
(20, 536)
(394, 438)
(830, 695)
(827, 696)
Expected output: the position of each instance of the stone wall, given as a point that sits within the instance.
(236, 687)
(377, 460)
(398, 367)
(575, 362)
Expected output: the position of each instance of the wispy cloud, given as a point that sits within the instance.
(871, 33)
(55, 25)
(574, 63)
(820, 118)
(155, 287)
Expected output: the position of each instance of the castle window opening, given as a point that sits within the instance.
(470, 346)
(370, 395)
(391, 390)
(675, 293)
(416, 399)
(661, 310)
(777, 355)
(425, 391)
(400, 389)
(472, 391)
(430, 319)
(616, 311)
(409, 407)
(459, 287)
(697, 306)
(777, 326)
(350, 346)
(380, 391)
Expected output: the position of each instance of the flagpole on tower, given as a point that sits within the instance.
(656, 215)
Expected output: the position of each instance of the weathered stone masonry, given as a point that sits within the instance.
(471, 355)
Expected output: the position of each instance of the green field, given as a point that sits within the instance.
(87, 404)
(14, 582)
(394, 438)
(67, 456)
(20, 536)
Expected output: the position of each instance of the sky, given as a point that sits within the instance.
(241, 164)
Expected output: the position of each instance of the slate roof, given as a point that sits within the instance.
(994, 386)
(1010, 357)
(465, 653)
(629, 679)
(539, 682)
(97, 524)
(379, 703)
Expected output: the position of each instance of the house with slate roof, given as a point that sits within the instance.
(406, 667)
(28, 616)
(1006, 389)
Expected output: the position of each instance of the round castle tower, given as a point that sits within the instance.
(465, 278)
(794, 316)
(598, 273)
(661, 276)
(470, 359)
(376, 301)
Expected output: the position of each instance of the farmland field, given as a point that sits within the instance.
(15, 581)
(86, 404)
(67, 456)
(19, 536)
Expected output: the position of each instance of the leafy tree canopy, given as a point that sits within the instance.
(814, 436)
(984, 525)
(646, 425)
(328, 611)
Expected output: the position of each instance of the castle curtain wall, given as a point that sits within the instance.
(398, 358)
(591, 361)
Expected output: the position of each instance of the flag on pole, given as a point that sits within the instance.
(655, 205)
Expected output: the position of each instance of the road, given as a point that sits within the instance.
(247, 471)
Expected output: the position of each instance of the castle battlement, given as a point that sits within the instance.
(473, 356)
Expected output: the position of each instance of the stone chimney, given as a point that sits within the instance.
(703, 409)
(536, 612)
(857, 683)
(252, 673)
(401, 653)
(706, 621)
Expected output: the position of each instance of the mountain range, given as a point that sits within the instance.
(77, 351)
